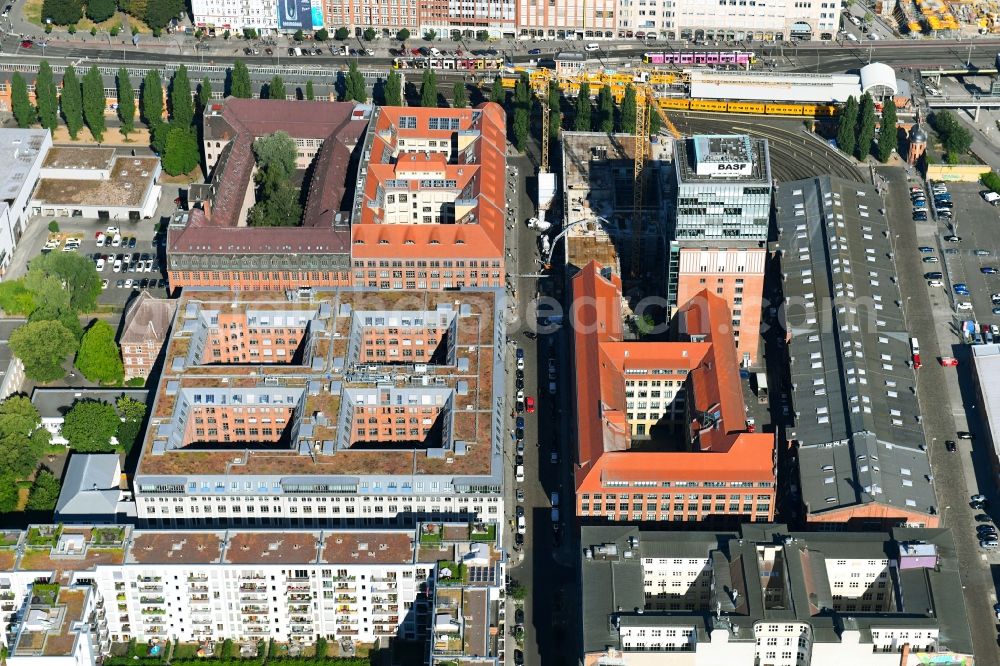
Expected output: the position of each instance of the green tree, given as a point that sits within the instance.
(321, 648)
(497, 93)
(340, 34)
(430, 35)
(522, 109)
(866, 127)
(71, 102)
(100, 11)
(239, 85)
(62, 12)
(24, 113)
(89, 426)
(181, 102)
(204, 95)
(44, 492)
(628, 110)
(94, 103)
(79, 284)
(429, 89)
(22, 440)
(988, 179)
(555, 114)
(42, 347)
(888, 138)
(321, 35)
(9, 494)
(99, 359)
(126, 102)
(16, 298)
(369, 34)
(847, 126)
(393, 89)
(355, 85)
(151, 97)
(310, 95)
(249, 33)
(132, 412)
(276, 88)
(276, 154)
(605, 110)
(180, 153)
(280, 209)
(955, 138)
(403, 35)
(277, 200)
(68, 318)
(460, 98)
(582, 121)
(160, 12)
(299, 35)
(46, 97)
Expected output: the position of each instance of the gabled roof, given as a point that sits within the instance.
(91, 486)
(148, 319)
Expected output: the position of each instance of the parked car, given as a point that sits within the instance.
(950, 445)
(988, 270)
(931, 260)
(948, 361)
(964, 434)
(953, 238)
(919, 216)
(960, 287)
(529, 404)
(925, 249)
(963, 305)
(933, 275)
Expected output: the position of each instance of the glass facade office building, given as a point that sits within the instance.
(723, 189)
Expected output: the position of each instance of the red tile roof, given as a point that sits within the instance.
(602, 358)
(239, 121)
(479, 172)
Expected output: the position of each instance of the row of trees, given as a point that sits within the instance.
(176, 138)
(81, 103)
(154, 13)
(856, 129)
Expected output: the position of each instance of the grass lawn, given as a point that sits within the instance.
(86, 24)
(185, 651)
(33, 11)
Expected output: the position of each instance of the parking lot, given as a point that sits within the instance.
(969, 261)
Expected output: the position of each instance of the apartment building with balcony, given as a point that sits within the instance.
(765, 595)
(860, 446)
(115, 584)
(663, 427)
(338, 407)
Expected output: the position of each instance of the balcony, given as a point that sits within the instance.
(344, 631)
(299, 587)
(197, 588)
(254, 609)
(252, 587)
(299, 596)
(150, 579)
(151, 600)
(199, 599)
(347, 599)
(345, 578)
(197, 578)
(298, 608)
(153, 611)
(150, 588)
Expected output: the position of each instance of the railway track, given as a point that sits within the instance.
(794, 154)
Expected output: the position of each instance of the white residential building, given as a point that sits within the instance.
(771, 597)
(717, 20)
(353, 586)
(228, 15)
(22, 152)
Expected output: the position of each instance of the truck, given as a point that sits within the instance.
(915, 348)
(762, 388)
(544, 245)
(546, 190)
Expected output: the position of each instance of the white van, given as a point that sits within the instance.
(298, 51)
(851, 37)
(519, 473)
(990, 197)
(435, 52)
(593, 46)
(963, 305)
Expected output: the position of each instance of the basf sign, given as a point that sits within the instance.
(295, 14)
(724, 169)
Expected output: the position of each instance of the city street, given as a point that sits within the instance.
(944, 393)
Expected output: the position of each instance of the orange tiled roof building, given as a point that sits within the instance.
(399, 198)
(633, 395)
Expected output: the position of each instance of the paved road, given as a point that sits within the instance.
(929, 319)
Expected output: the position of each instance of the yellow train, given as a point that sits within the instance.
(762, 108)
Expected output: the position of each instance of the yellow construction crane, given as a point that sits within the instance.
(645, 97)
(545, 133)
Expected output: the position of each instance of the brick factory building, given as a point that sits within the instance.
(662, 426)
(410, 198)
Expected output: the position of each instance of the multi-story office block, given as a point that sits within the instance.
(860, 444)
(567, 19)
(332, 408)
(417, 202)
(70, 592)
(720, 230)
(663, 426)
(772, 597)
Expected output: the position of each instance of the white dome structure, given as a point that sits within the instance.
(878, 79)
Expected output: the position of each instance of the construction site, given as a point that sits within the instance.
(599, 204)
